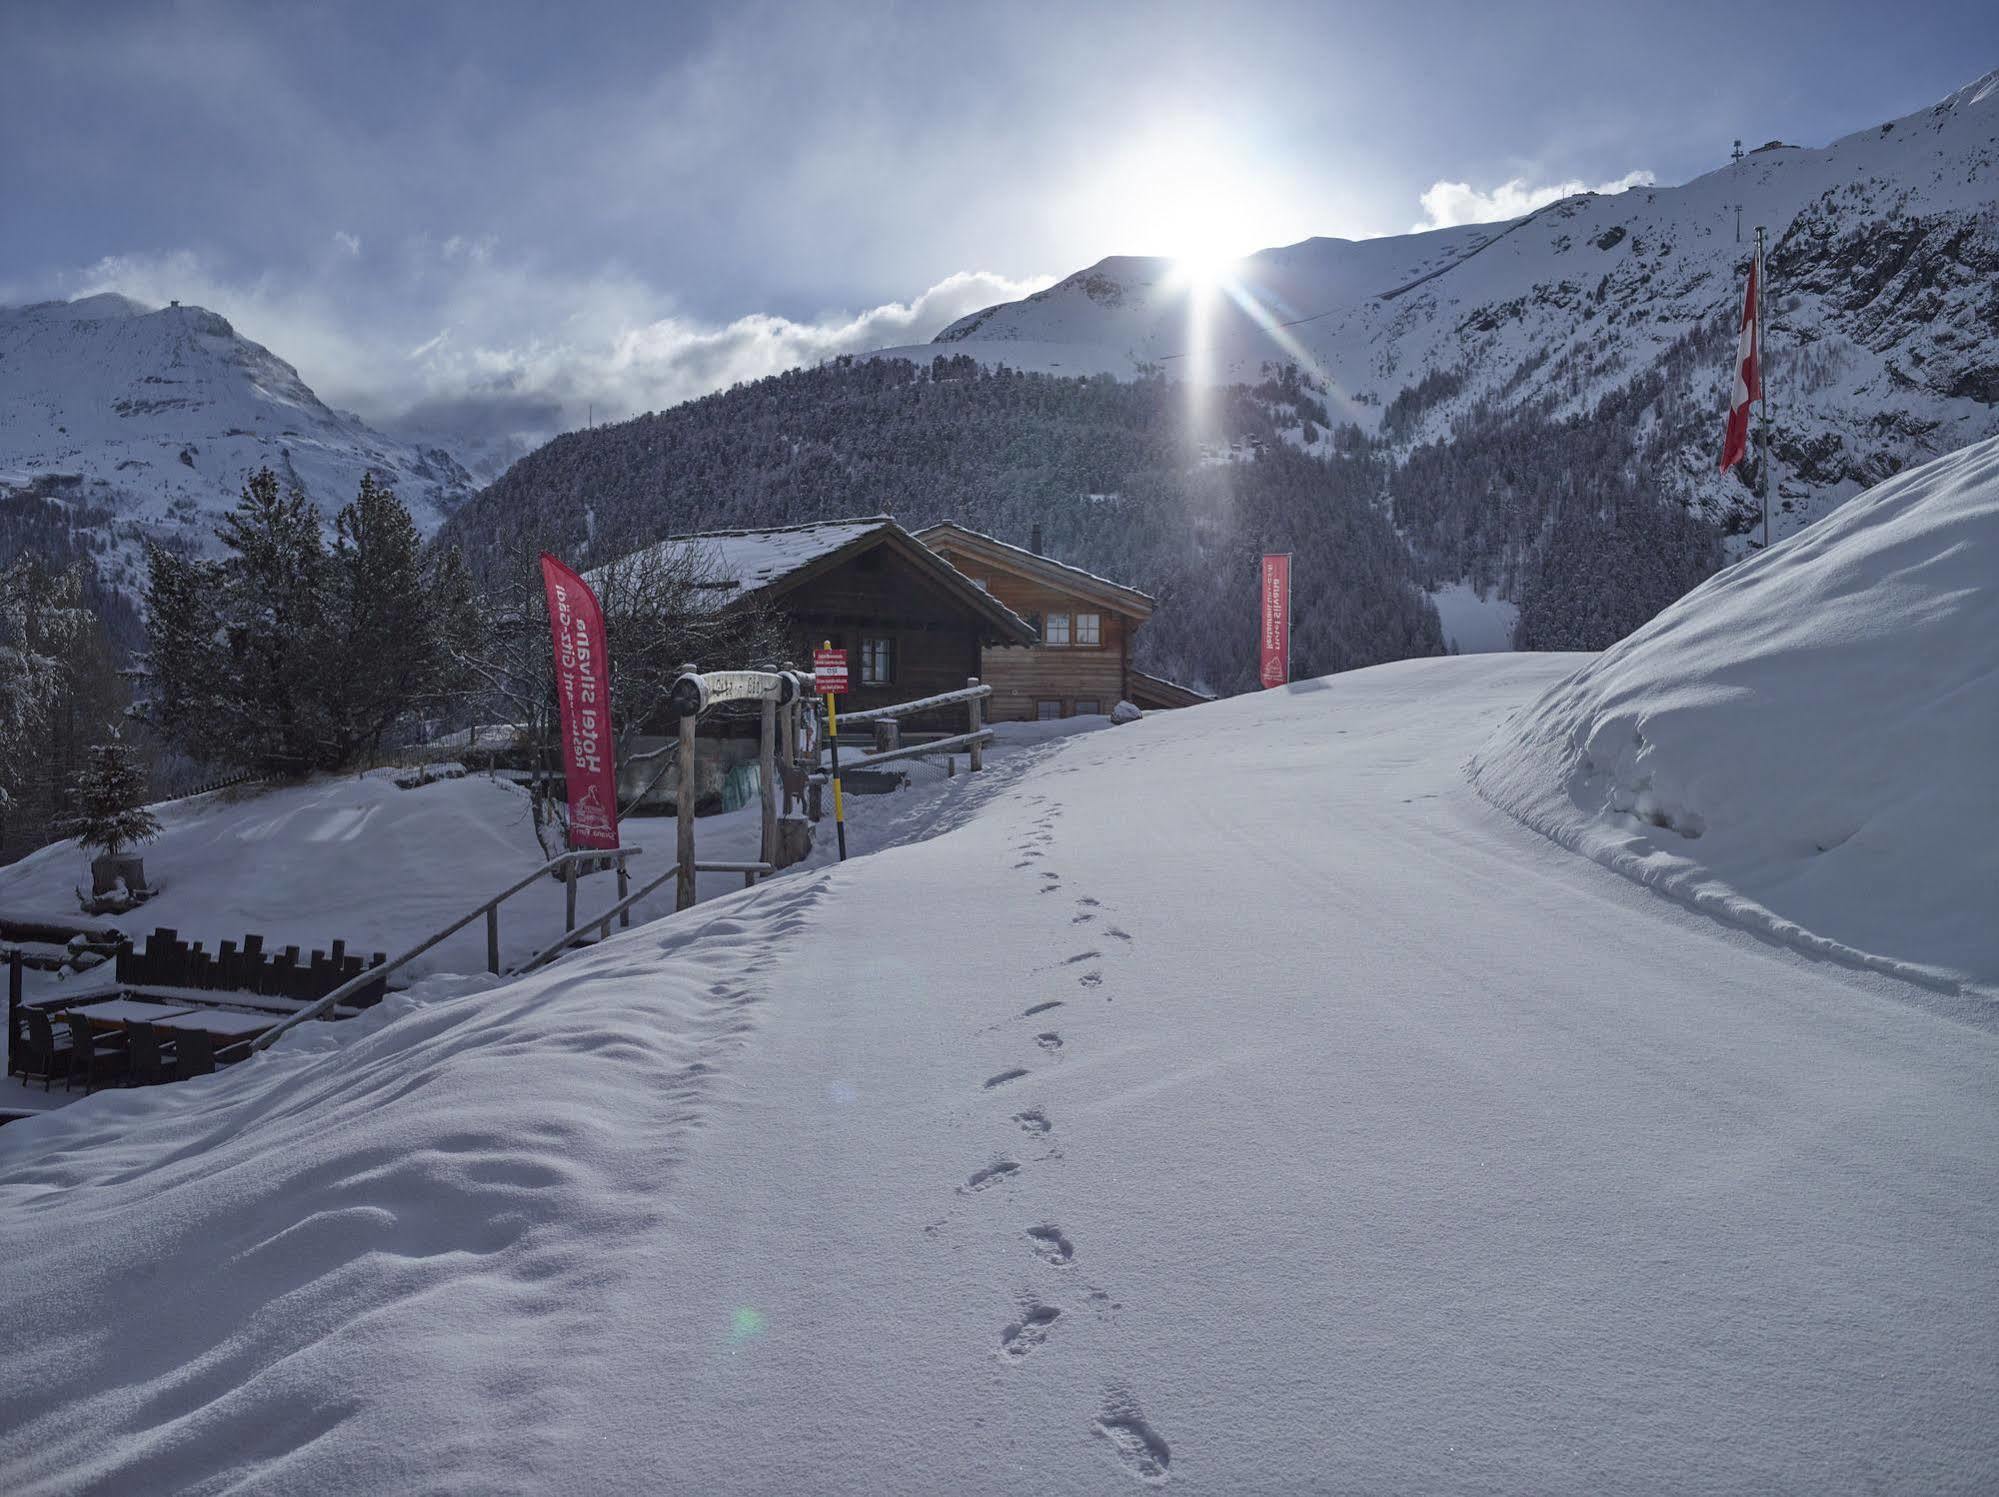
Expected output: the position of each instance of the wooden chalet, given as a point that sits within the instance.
(911, 624)
(1081, 664)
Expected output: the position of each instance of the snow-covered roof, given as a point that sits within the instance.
(1033, 562)
(736, 563)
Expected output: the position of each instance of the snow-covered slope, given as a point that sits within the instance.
(1884, 347)
(1807, 742)
(1237, 1105)
(150, 420)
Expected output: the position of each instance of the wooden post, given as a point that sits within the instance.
(569, 894)
(978, 750)
(493, 939)
(767, 783)
(683, 805)
(624, 888)
(792, 713)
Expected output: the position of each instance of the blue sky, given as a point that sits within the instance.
(527, 207)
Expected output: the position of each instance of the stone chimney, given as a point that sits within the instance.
(1034, 540)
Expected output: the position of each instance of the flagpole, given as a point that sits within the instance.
(1763, 374)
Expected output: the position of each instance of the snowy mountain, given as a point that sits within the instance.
(1883, 350)
(137, 422)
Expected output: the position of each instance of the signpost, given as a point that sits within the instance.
(829, 675)
(1274, 620)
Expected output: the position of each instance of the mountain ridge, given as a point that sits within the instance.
(121, 423)
(1579, 298)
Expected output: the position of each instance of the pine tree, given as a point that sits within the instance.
(386, 652)
(287, 657)
(273, 618)
(111, 812)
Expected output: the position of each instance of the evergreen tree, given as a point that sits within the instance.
(286, 656)
(387, 653)
(111, 813)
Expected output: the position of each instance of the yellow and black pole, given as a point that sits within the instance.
(833, 742)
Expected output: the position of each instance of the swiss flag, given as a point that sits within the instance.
(1748, 373)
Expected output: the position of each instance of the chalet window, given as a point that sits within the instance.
(877, 661)
(1089, 629)
(1047, 711)
(1086, 707)
(1057, 632)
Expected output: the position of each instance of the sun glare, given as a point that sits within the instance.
(1201, 269)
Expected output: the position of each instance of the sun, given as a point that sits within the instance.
(1202, 269)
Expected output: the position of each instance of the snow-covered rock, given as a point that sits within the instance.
(1808, 743)
(147, 421)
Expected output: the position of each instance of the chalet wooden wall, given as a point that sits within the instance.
(1023, 677)
(879, 594)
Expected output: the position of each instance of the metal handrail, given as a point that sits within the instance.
(374, 974)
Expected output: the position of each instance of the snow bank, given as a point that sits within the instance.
(1807, 744)
(1234, 1103)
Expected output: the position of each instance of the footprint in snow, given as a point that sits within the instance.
(1081, 956)
(1051, 1246)
(1140, 1449)
(1034, 1121)
(993, 1174)
(1028, 1332)
(1048, 1039)
(1005, 1076)
(1041, 1008)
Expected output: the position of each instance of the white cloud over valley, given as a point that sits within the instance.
(453, 335)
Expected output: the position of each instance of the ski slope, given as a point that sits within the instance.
(1238, 1104)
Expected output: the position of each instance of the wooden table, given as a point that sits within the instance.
(121, 1011)
(222, 1023)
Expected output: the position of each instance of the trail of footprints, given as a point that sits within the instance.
(1119, 1422)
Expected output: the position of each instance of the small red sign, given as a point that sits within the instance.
(829, 672)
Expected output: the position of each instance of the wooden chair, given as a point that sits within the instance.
(92, 1055)
(194, 1054)
(17, 1033)
(142, 1044)
(43, 1055)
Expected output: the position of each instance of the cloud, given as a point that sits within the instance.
(454, 336)
(1448, 204)
(350, 244)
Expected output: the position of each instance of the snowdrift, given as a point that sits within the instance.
(1808, 743)
(1235, 1102)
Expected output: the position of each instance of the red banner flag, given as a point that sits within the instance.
(1748, 374)
(1274, 606)
(583, 691)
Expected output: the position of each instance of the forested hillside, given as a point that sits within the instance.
(1124, 478)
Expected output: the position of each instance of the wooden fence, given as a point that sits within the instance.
(167, 961)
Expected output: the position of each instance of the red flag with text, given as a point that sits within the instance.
(583, 692)
(1748, 374)
(1274, 606)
